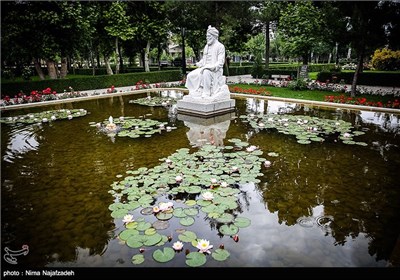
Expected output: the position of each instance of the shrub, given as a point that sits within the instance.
(386, 59)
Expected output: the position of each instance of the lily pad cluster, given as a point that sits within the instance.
(154, 101)
(46, 116)
(184, 187)
(305, 128)
(132, 127)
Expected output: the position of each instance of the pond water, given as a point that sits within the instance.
(323, 204)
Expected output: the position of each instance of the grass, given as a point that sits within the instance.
(315, 95)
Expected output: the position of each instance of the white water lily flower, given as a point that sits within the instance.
(235, 168)
(267, 163)
(121, 118)
(45, 120)
(177, 246)
(207, 196)
(347, 135)
(251, 148)
(224, 184)
(178, 179)
(204, 246)
(70, 117)
(261, 124)
(128, 218)
(213, 181)
(53, 118)
(168, 161)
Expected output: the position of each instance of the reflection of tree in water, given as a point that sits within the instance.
(354, 185)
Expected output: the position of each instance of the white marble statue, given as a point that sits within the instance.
(200, 135)
(207, 82)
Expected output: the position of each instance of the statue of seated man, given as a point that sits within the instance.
(207, 82)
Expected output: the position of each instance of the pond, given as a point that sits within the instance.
(255, 189)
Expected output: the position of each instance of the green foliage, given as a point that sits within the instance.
(298, 84)
(367, 78)
(258, 68)
(386, 59)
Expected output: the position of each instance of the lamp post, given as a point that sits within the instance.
(183, 52)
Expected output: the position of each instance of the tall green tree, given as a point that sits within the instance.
(267, 12)
(368, 28)
(119, 26)
(300, 25)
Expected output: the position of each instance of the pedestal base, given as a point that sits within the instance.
(205, 108)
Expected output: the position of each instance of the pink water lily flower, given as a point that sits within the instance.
(177, 246)
(164, 206)
(204, 246)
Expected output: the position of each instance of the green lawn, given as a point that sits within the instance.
(315, 95)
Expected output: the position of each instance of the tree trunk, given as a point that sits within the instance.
(64, 67)
(38, 68)
(108, 66)
(267, 43)
(116, 56)
(121, 61)
(51, 69)
(357, 72)
(305, 59)
(146, 57)
(159, 56)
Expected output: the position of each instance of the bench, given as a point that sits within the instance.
(280, 77)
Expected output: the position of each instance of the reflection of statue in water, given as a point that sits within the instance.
(207, 83)
(214, 134)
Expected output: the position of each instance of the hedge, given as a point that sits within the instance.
(91, 82)
(388, 79)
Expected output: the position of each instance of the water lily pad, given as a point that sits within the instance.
(220, 255)
(213, 215)
(142, 226)
(164, 255)
(187, 236)
(195, 259)
(186, 221)
(131, 225)
(190, 202)
(160, 225)
(164, 216)
(191, 211)
(179, 212)
(225, 218)
(137, 259)
(228, 229)
(135, 241)
(202, 202)
(120, 213)
(150, 240)
(125, 234)
(242, 222)
(147, 211)
(150, 231)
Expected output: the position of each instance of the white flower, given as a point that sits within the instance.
(207, 196)
(178, 179)
(213, 181)
(177, 246)
(204, 246)
(267, 163)
(235, 168)
(53, 118)
(128, 218)
(224, 184)
(251, 148)
(168, 161)
(347, 135)
(261, 124)
(121, 118)
(45, 120)
(70, 117)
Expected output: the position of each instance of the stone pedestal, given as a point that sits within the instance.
(205, 108)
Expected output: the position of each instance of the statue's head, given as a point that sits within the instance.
(212, 33)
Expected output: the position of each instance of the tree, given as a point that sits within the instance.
(368, 24)
(119, 27)
(265, 13)
(300, 26)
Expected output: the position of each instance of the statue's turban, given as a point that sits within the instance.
(213, 31)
